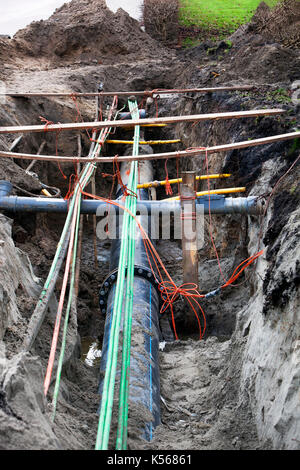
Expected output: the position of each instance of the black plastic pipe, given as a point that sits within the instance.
(144, 381)
(125, 115)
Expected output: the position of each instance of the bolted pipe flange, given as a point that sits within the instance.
(139, 271)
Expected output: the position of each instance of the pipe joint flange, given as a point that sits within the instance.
(139, 271)
(147, 274)
(105, 288)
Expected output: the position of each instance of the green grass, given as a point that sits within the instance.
(280, 96)
(221, 15)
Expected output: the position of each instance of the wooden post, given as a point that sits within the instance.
(189, 238)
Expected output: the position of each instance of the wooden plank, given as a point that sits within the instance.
(130, 93)
(189, 239)
(131, 122)
(184, 153)
(189, 235)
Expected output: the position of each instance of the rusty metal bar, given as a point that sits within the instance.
(129, 93)
(158, 156)
(132, 122)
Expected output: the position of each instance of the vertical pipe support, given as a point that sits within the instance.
(189, 236)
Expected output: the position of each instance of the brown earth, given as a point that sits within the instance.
(84, 32)
(281, 24)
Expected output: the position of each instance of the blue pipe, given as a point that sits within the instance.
(5, 188)
(218, 204)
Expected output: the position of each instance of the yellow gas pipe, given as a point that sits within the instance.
(155, 184)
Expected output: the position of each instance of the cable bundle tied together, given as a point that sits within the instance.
(126, 263)
(72, 225)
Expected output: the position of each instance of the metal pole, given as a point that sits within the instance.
(127, 122)
(157, 156)
(129, 93)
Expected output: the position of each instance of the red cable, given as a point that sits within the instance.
(65, 279)
(61, 302)
(169, 290)
(169, 191)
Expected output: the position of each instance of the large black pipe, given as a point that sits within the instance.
(144, 381)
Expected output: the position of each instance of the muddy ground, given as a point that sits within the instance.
(226, 391)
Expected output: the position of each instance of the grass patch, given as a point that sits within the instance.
(190, 42)
(224, 16)
(280, 95)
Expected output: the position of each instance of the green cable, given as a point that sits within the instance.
(112, 357)
(64, 232)
(109, 379)
(64, 338)
(110, 373)
(36, 318)
(71, 289)
(95, 152)
(121, 443)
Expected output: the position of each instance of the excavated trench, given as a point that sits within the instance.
(238, 388)
(37, 236)
(207, 396)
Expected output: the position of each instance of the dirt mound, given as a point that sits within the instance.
(257, 53)
(11, 55)
(88, 31)
(266, 50)
(281, 24)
